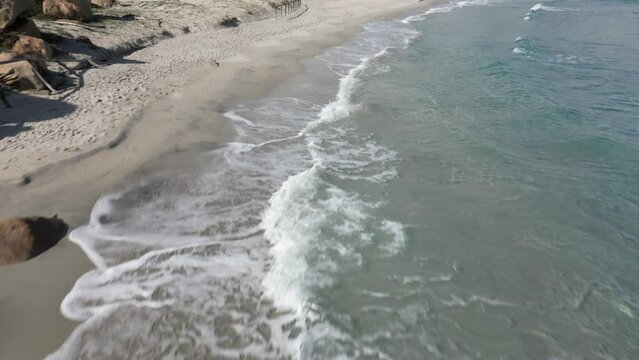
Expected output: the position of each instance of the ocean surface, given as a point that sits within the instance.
(458, 184)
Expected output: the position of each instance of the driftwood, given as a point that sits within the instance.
(78, 24)
(6, 78)
(3, 77)
(287, 7)
(12, 76)
(46, 83)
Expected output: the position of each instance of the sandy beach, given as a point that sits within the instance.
(151, 106)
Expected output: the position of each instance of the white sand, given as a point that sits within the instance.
(77, 121)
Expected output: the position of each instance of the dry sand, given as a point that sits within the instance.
(151, 106)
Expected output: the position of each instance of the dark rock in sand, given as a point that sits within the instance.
(25, 180)
(24, 238)
(229, 21)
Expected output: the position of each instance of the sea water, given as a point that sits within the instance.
(458, 184)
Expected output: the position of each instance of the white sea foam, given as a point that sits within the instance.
(522, 46)
(308, 218)
(473, 299)
(398, 236)
(518, 50)
(167, 246)
(296, 224)
(447, 8)
(541, 7)
(184, 256)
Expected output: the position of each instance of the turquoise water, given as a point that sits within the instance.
(459, 184)
(519, 182)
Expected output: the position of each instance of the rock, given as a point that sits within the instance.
(8, 57)
(104, 4)
(229, 21)
(68, 9)
(25, 26)
(7, 39)
(21, 75)
(25, 180)
(11, 9)
(31, 46)
(25, 238)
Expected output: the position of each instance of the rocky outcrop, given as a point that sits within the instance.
(10, 10)
(104, 4)
(21, 75)
(68, 9)
(30, 46)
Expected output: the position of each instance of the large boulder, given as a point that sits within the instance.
(104, 4)
(31, 46)
(25, 238)
(68, 9)
(21, 75)
(11, 9)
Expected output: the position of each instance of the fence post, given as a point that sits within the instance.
(287, 7)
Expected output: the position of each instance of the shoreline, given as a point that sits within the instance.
(30, 301)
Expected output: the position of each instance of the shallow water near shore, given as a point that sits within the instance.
(459, 184)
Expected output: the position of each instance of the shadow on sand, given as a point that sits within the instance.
(26, 109)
